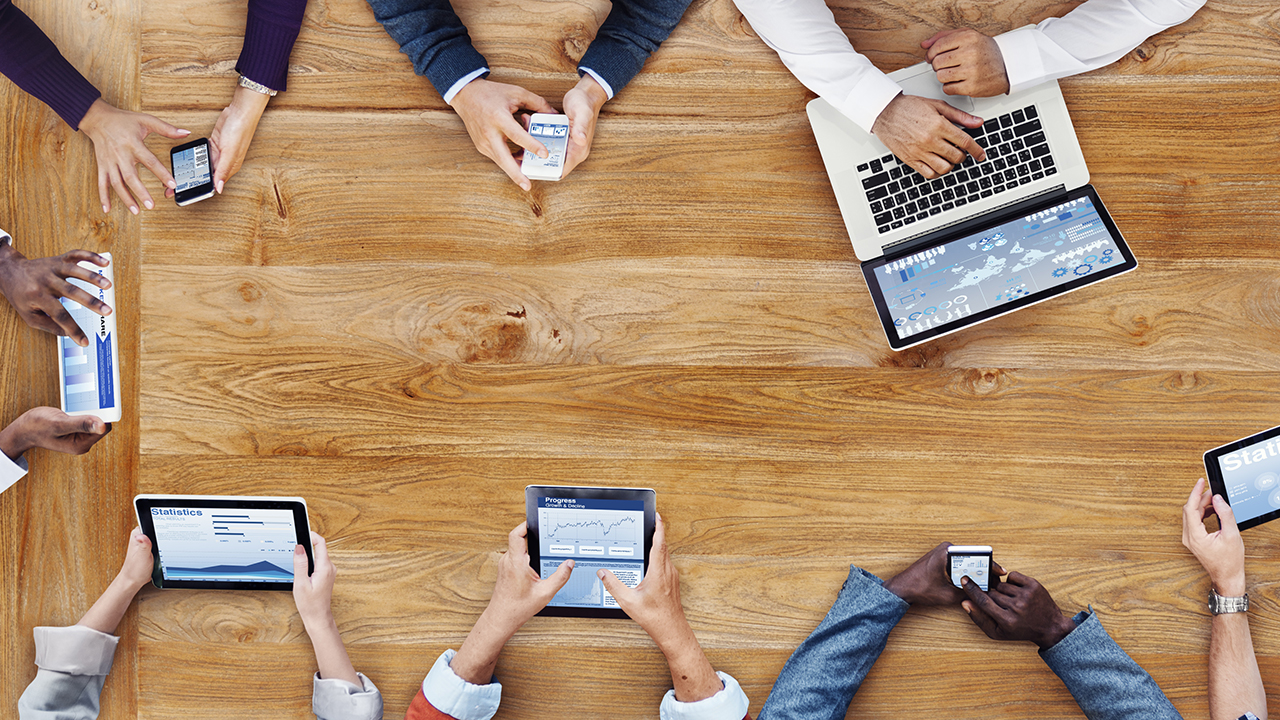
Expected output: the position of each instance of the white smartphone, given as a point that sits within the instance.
(553, 132)
(971, 560)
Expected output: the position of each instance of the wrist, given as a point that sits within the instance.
(94, 117)
(313, 622)
(1060, 630)
(14, 442)
(1232, 586)
(249, 102)
(587, 85)
(900, 588)
(9, 259)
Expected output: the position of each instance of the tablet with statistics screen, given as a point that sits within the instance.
(598, 528)
(224, 542)
(90, 376)
(1247, 473)
(980, 270)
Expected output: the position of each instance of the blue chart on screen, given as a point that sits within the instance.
(225, 545)
(596, 534)
(88, 384)
(1014, 260)
(1251, 476)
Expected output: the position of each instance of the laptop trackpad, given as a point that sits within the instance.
(926, 85)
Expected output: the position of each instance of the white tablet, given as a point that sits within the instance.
(89, 377)
(226, 542)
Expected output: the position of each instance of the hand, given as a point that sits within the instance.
(920, 131)
(1017, 609)
(232, 134)
(138, 561)
(518, 595)
(34, 286)
(582, 106)
(52, 429)
(967, 63)
(488, 110)
(313, 592)
(117, 137)
(1222, 552)
(928, 582)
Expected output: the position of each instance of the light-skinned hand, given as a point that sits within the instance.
(52, 429)
(928, 580)
(967, 62)
(518, 594)
(488, 110)
(582, 106)
(313, 592)
(33, 287)
(655, 603)
(1017, 609)
(117, 137)
(1220, 552)
(922, 132)
(233, 133)
(138, 560)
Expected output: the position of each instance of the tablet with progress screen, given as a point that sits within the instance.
(610, 528)
(224, 542)
(1247, 473)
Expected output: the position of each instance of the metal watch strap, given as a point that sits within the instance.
(256, 86)
(1219, 605)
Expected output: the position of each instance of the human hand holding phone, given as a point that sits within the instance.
(927, 581)
(488, 110)
(1020, 608)
(582, 106)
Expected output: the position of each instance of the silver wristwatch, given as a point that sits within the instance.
(256, 86)
(1219, 605)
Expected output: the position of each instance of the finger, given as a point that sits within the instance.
(321, 549)
(516, 539)
(78, 256)
(158, 169)
(73, 293)
(215, 154)
(1193, 513)
(300, 574)
(620, 592)
(134, 182)
(557, 579)
(66, 325)
(156, 125)
(928, 42)
(943, 42)
(503, 158)
(964, 143)
(937, 165)
(985, 622)
(659, 533)
(91, 425)
(104, 194)
(518, 135)
(944, 61)
(117, 184)
(533, 101)
(1000, 571)
(1226, 517)
(959, 117)
(982, 601)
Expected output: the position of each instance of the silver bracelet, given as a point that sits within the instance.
(256, 86)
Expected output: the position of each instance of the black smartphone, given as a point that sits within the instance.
(971, 560)
(193, 172)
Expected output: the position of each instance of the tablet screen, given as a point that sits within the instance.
(1251, 478)
(238, 545)
(90, 378)
(595, 533)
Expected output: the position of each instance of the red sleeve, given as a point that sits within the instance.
(420, 709)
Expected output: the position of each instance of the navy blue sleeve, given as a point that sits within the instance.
(1104, 680)
(29, 58)
(432, 35)
(631, 33)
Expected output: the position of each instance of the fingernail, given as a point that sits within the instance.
(185, 132)
(600, 574)
(526, 186)
(220, 187)
(571, 563)
(106, 310)
(105, 209)
(133, 209)
(149, 204)
(543, 154)
(172, 184)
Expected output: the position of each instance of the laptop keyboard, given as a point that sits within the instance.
(1017, 153)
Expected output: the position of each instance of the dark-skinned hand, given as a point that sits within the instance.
(34, 288)
(927, 581)
(1017, 609)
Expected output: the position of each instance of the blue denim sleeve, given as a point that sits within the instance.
(626, 39)
(822, 675)
(1104, 680)
(432, 35)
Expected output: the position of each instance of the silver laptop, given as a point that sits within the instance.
(986, 238)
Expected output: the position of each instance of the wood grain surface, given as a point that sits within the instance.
(373, 317)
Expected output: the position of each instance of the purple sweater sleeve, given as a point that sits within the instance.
(268, 39)
(30, 59)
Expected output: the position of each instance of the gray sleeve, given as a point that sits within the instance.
(333, 699)
(1104, 680)
(74, 663)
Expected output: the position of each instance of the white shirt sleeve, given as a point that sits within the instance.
(814, 48)
(729, 704)
(334, 699)
(11, 471)
(458, 698)
(1094, 35)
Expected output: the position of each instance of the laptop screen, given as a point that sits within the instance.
(1027, 254)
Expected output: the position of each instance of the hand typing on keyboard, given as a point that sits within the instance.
(923, 133)
(967, 63)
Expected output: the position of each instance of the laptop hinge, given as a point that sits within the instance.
(975, 221)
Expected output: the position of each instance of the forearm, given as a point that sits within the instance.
(478, 656)
(434, 39)
(1235, 683)
(13, 441)
(9, 264)
(270, 31)
(331, 653)
(106, 613)
(691, 673)
(30, 59)
(628, 36)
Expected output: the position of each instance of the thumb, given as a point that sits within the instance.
(558, 578)
(956, 115)
(1226, 516)
(69, 425)
(980, 618)
(534, 102)
(300, 566)
(926, 44)
(613, 584)
(160, 127)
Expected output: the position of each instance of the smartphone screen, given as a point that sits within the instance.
(192, 171)
(977, 567)
(553, 132)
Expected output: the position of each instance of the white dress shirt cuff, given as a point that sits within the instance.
(334, 699)
(868, 99)
(729, 704)
(75, 650)
(5, 238)
(608, 89)
(11, 471)
(456, 697)
(1023, 65)
(462, 82)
